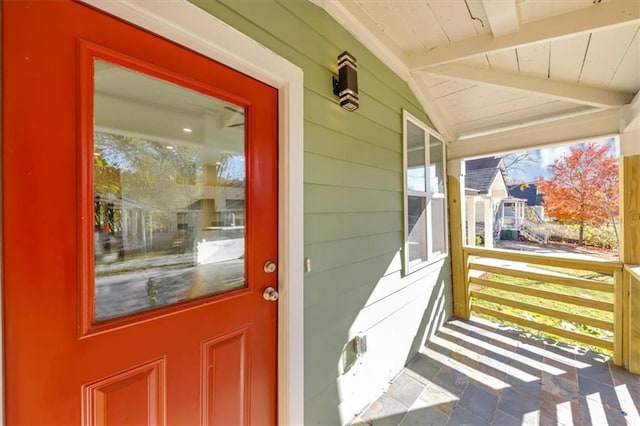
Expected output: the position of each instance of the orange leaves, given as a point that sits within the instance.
(583, 187)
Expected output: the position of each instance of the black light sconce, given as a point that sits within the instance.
(345, 85)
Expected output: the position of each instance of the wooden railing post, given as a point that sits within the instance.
(630, 246)
(618, 316)
(458, 270)
(632, 319)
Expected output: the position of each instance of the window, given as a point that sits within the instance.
(424, 195)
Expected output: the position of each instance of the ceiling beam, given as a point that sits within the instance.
(591, 19)
(503, 16)
(630, 116)
(581, 128)
(526, 123)
(590, 96)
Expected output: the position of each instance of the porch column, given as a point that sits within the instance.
(456, 197)
(471, 220)
(488, 223)
(630, 246)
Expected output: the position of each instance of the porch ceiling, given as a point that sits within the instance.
(494, 68)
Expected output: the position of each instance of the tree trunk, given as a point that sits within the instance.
(615, 230)
(581, 235)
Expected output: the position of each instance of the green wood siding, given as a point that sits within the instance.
(353, 207)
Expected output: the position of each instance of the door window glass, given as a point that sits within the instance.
(169, 193)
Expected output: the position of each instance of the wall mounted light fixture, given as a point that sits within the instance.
(345, 85)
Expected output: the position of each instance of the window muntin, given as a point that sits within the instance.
(425, 196)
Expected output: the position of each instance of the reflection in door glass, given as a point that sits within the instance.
(169, 193)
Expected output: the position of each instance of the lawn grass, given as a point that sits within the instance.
(560, 306)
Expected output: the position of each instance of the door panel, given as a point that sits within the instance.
(224, 362)
(133, 397)
(132, 308)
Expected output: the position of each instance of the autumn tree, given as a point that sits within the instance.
(583, 188)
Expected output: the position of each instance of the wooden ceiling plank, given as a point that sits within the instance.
(483, 98)
(477, 61)
(419, 87)
(567, 56)
(505, 112)
(503, 61)
(627, 76)
(595, 18)
(455, 20)
(441, 88)
(600, 98)
(530, 11)
(606, 52)
(502, 16)
(534, 60)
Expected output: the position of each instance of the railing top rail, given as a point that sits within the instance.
(596, 265)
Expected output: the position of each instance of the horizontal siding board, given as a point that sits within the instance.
(329, 171)
(330, 143)
(396, 280)
(319, 228)
(284, 26)
(335, 282)
(334, 254)
(320, 111)
(332, 199)
(323, 347)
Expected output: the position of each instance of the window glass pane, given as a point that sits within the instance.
(436, 166)
(438, 226)
(416, 169)
(169, 193)
(417, 232)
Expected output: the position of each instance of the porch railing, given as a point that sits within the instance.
(632, 318)
(548, 293)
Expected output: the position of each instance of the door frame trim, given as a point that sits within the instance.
(192, 27)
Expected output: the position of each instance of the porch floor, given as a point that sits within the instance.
(480, 373)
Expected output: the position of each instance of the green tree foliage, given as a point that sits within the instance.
(152, 175)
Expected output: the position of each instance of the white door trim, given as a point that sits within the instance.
(187, 25)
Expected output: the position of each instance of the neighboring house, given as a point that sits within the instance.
(530, 193)
(348, 262)
(485, 187)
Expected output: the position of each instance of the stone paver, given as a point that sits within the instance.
(497, 377)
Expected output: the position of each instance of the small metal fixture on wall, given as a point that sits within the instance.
(345, 85)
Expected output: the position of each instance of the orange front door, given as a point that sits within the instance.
(139, 223)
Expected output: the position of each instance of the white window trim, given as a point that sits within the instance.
(431, 258)
(190, 26)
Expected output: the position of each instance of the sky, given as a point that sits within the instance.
(542, 158)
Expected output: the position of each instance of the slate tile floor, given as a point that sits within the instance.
(479, 373)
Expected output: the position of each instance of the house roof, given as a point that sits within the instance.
(480, 173)
(505, 76)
